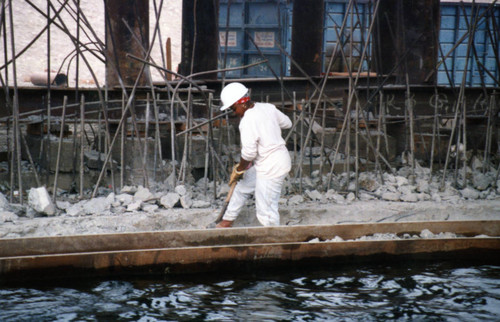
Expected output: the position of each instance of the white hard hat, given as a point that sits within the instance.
(231, 93)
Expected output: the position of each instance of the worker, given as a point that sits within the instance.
(264, 160)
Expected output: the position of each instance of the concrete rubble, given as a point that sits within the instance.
(424, 234)
(165, 206)
(39, 200)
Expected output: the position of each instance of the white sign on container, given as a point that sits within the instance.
(264, 39)
(231, 38)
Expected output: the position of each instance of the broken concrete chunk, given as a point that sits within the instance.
(186, 201)
(170, 181)
(314, 195)
(201, 204)
(407, 189)
(391, 196)
(469, 193)
(423, 196)
(409, 197)
(481, 181)
(39, 200)
(426, 233)
(149, 207)
(128, 189)
(401, 181)
(18, 209)
(170, 200)
(330, 194)
(181, 190)
(76, 210)
(125, 199)
(338, 198)
(423, 186)
(365, 196)
(96, 206)
(6, 216)
(134, 206)
(296, 200)
(368, 184)
(63, 205)
(110, 198)
(223, 190)
(4, 203)
(350, 197)
(143, 194)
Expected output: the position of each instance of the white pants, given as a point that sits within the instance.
(267, 195)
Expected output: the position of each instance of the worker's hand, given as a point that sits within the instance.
(236, 175)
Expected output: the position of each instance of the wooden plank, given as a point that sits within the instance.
(234, 236)
(191, 259)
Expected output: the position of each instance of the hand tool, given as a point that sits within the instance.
(224, 206)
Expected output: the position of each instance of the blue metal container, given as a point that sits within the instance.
(270, 22)
(267, 23)
(337, 14)
(481, 67)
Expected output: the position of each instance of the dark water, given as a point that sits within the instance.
(403, 292)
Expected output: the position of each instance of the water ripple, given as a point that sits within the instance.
(437, 292)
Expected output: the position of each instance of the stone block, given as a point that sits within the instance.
(39, 200)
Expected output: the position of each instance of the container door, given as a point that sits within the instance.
(482, 63)
(254, 26)
(357, 22)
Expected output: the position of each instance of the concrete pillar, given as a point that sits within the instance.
(407, 27)
(307, 36)
(120, 42)
(199, 30)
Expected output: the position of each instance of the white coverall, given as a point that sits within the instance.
(262, 143)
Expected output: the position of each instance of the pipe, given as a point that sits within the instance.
(40, 79)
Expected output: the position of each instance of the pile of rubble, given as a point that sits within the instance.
(405, 185)
(424, 234)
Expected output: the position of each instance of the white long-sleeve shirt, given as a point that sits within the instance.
(261, 140)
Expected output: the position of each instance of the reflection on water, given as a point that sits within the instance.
(434, 292)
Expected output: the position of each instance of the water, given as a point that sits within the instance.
(424, 292)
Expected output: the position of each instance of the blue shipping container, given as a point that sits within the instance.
(477, 63)
(265, 23)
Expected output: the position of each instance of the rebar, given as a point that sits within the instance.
(213, 162)
(59, 147)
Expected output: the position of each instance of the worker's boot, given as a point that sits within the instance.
(224, 224)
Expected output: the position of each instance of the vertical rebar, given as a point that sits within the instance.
(434, 130)
(15, 106)
(409, 109)
(322, 144)
(58, 159)
(122, 146)
(294, 131)
(487, 148)
(82, 130)
(356, 142)
(146, 135)
(49, 113)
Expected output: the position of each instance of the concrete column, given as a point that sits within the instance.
(199, 30)
(408, 27)
(307, 36)
(120, 42)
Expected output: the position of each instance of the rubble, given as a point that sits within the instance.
(39, 200)
(424, 234)
(7, 216)
(170, 200)
(4, 203)
(172, 206)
